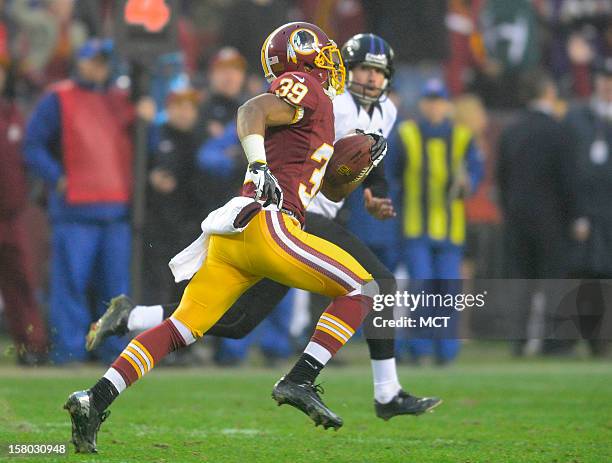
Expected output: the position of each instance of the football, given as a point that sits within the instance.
(348, 165)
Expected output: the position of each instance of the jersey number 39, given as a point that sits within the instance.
(293, 91)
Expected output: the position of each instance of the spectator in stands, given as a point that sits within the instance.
(96, 17)
(171, 220)
(220, 157)
(467, 52)
(6, 30)
(340, 19)
(537, 193)
(512, 44)
(580, 34)
(245, 23)
(592, 232)
(78, 141)
(47, 37)
(437, 165)
(24, 321)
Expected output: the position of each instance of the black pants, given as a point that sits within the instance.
(259, 300)
(534, 250)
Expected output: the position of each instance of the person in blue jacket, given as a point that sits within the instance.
(78, 141)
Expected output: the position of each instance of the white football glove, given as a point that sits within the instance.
(266, 185)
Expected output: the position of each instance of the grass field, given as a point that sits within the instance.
(496, 410)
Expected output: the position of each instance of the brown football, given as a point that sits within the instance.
(347, 166)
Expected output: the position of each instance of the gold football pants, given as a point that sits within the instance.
(272, 246)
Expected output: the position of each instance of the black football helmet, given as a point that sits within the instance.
(369, 50)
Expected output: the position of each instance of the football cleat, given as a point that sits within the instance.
(112, 323)
(305, 397)
(405, 404)
(86, 421)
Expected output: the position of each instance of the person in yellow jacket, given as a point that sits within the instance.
(436, 164)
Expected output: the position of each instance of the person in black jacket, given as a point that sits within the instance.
(171, 219)
(592, 231)
(537, 191)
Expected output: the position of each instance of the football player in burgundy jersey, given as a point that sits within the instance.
(296, 155)
(369, 60)
(288, 132)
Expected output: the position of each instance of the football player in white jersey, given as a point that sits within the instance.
(366, 107)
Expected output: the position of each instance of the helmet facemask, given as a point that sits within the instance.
(329, 58)
(359, 90)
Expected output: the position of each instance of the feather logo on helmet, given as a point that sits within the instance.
(302, 41)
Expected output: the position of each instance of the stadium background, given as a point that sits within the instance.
(462, 42)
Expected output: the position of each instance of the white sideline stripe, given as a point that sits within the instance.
(339, 325)
(185, 332)
(331, 328)
(115, 377)
(314, 259)
(133, 357)
(320, 353)
(144, 356)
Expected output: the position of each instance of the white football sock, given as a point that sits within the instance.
(143, 317)
(386, 383)
(320, 353)
(115, 377)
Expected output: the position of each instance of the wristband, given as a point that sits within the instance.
(254, 148)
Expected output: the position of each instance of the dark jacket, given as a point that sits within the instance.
(594, 191)
(175, 153)
(535, 170)
(537, 185)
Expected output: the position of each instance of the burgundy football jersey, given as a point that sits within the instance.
(297, 154)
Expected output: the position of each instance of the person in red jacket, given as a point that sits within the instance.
(78, 140)
(24, 322)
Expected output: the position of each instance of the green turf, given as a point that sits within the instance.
(498, 411)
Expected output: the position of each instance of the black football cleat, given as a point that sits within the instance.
(405, 404)
(305, 397)
(112, 323)
(86, 421)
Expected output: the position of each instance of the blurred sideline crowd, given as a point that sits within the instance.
(531, 80)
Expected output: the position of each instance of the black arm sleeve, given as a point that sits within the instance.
(377, 182)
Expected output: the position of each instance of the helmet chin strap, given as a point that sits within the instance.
(361, 96)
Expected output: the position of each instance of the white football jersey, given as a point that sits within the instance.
(348, 116)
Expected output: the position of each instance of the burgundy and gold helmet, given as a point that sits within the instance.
(298, 45)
